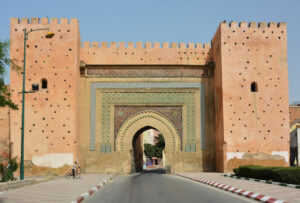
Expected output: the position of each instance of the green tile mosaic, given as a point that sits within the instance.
(121, 98)
(148, 98)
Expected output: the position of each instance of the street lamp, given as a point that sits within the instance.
(49, 35)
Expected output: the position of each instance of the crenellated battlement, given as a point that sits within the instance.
(262, 25)
(145, 53)
(234, 33)
(147, 45)
(44, 21)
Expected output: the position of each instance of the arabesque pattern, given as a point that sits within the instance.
(190, 145)
(172, 137)
(108, 99)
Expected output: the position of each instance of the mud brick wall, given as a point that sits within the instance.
(50, 113)
(145, 53)
(252, 89)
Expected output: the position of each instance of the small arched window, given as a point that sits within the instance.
(254, 87)
(44, 84)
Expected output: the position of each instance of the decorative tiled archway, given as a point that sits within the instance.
(187, 99)
(148, 118)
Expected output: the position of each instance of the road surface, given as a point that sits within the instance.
(155, 186)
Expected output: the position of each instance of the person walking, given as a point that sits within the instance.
(74, 169)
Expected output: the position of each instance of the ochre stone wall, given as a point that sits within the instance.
(252, 121)
(51, 125)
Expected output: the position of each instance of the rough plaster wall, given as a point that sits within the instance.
(255, 121)
(218, 95)
(51, 114)
(4, 133)
(138, 153)
(145, 54)
(53, 160)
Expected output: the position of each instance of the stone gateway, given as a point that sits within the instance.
(218, 105)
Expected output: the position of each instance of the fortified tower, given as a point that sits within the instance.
(217, 106)
(251, 93)
(51, 114)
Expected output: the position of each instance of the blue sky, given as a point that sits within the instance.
(163, 20)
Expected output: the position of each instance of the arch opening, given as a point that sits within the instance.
(148, 146)
(128, 135)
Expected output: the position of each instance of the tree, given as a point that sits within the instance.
(155, 150)
(149, 150)
(160, 141)
(4, 61)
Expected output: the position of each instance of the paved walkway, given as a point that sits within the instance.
(279, 192)
(59, 190)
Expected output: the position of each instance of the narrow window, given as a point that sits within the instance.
(44, 84)
(253, 87)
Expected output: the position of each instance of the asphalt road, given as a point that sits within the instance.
(156, 186)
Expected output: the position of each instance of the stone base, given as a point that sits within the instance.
(122, 162)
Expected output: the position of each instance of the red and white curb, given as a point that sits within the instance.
(252, 195)
(93, 190)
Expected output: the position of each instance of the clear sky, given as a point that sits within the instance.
(163, 20)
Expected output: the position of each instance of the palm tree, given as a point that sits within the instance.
(5, 61)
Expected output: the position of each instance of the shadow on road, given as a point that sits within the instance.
(157, 171)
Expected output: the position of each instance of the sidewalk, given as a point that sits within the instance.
(59, 190)
(11, 185)
(279, 192)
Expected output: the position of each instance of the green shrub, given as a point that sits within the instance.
(290, 175)
(8, 171)
(253, 171)
(236, 171)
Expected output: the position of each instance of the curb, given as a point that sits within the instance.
(93, 190)
(5, 186)
(11, 185)
(263, 181)
(245, 193)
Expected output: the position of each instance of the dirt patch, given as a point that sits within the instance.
(31, 170)
(261, 159)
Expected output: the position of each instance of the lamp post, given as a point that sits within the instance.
(48, 36)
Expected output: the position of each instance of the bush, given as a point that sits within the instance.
(8, 171)
(289, 175)
(259, 172)
(236, 171)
